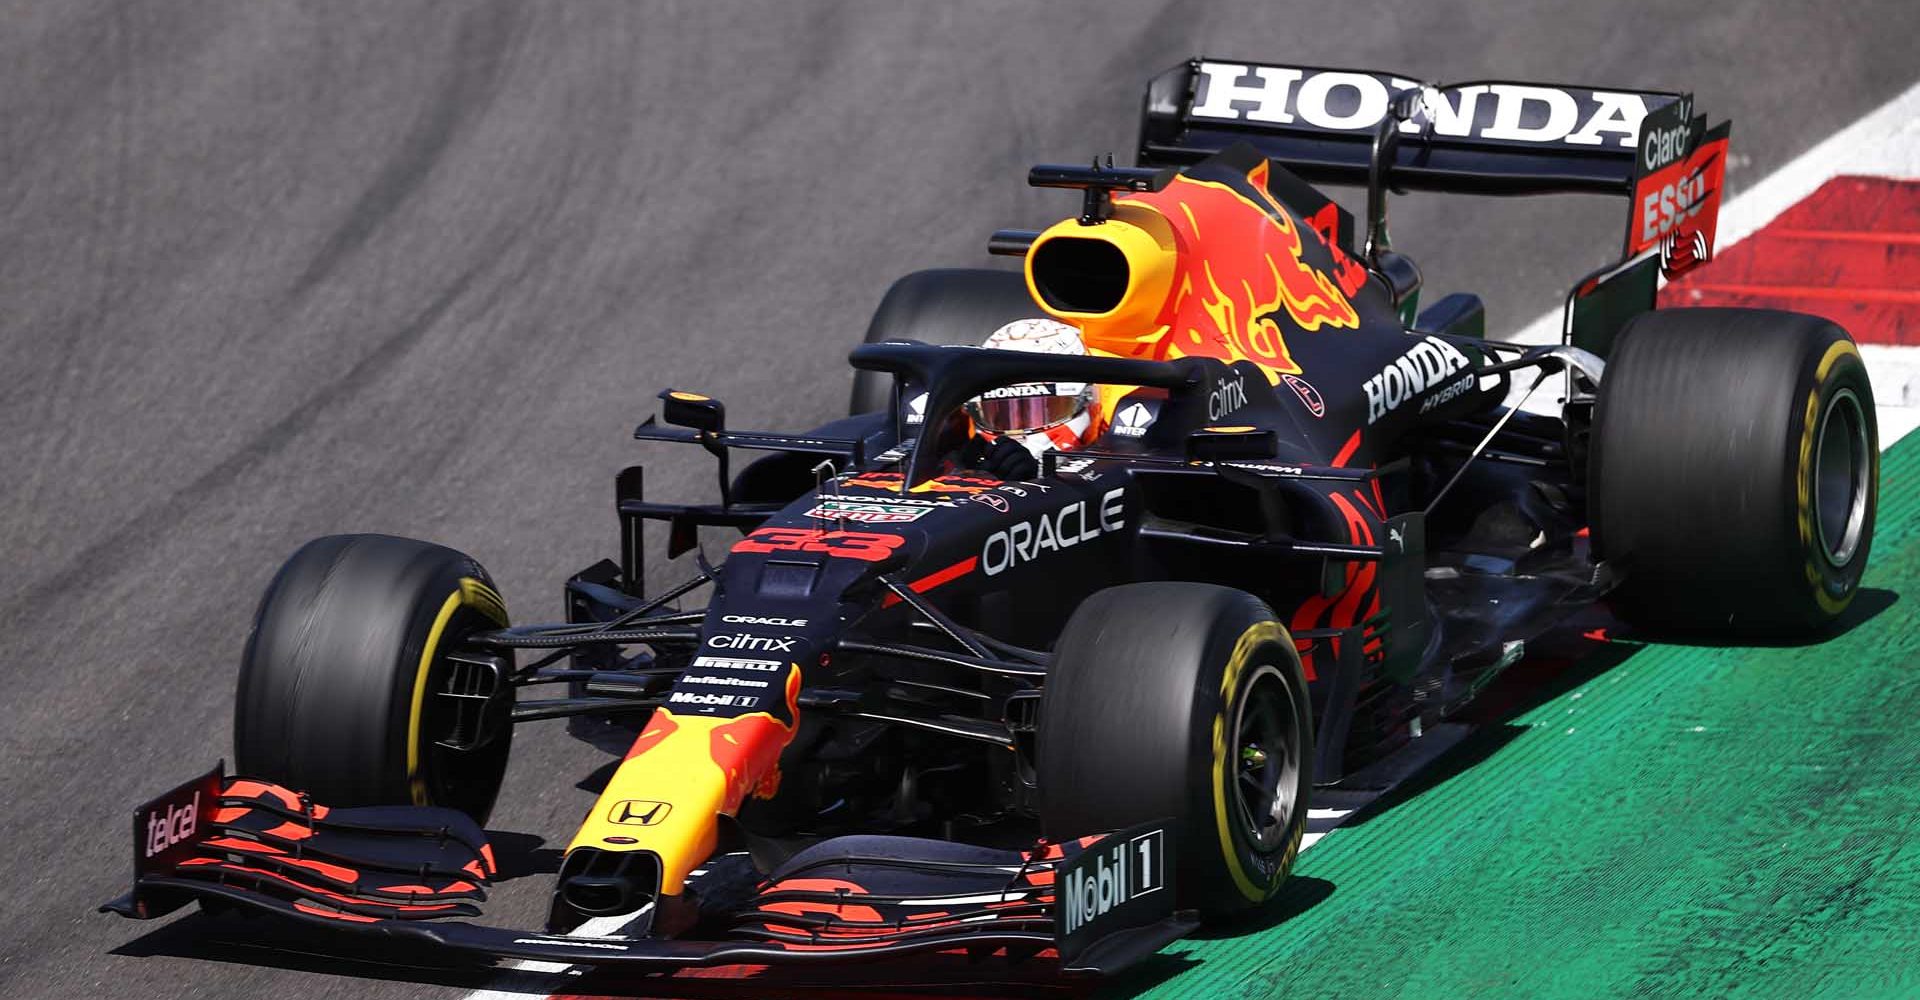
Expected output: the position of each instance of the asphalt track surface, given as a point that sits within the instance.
(270, 271)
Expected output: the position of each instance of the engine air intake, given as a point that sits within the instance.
(1074, 274)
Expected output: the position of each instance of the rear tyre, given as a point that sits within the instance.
(337, 693)
(944, 306)
(1735, 471)
(1182, 701)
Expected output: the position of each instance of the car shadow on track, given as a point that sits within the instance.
(1564, 663)
(519, 855)
(1569, 666)
(262, 941)
(1300, 894)
(246, 939)
(1569, 663)
(1868, 603)
(596, 781)
(943, 977)
(258, 942)
(1579, 659)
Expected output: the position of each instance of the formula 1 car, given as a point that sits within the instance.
(1069, 717)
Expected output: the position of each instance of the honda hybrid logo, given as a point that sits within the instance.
(1345, 101)
(638, 812)
(1426, 365)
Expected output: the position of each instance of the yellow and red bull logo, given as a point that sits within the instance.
(1232, 260)
(1249, 269)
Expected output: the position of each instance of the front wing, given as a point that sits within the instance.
(402, 872)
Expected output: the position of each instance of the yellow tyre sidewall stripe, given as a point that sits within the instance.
(472, 593)
(1241, 660)
(1816, 579)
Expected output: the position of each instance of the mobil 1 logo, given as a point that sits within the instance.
(1121, 882)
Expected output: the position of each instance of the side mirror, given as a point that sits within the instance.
(708, 416)
(1223, 444)
(690, 409)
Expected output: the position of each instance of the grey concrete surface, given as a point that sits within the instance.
(270, 270)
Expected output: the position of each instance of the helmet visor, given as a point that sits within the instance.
(1035, 406)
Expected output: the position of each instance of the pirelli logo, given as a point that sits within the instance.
(735, 663)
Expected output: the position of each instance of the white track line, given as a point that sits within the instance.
(1884, 143)
(537, 975)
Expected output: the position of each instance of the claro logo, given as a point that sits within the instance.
(165, 829)
(1064, 528)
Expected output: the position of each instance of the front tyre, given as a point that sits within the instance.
(1187, 702)
(337, 693)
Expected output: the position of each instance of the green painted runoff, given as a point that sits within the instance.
(1659, 821)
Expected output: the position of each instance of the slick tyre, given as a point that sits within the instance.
(338, 692)
(944, 306)
(1182, 702)
(1734, 471)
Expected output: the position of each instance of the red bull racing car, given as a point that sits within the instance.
(1066, 716)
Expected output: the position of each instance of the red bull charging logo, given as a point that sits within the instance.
(1240, 269)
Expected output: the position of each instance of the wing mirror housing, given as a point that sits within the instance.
(708, 416)
(691, 409)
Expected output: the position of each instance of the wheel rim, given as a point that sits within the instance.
(1841, 466)
(1267, 755)
(461, 779)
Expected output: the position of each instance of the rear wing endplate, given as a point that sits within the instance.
(1481, 137)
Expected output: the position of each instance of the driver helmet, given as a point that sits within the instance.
(1039, 415)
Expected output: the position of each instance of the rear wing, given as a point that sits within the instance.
(1485, 137)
